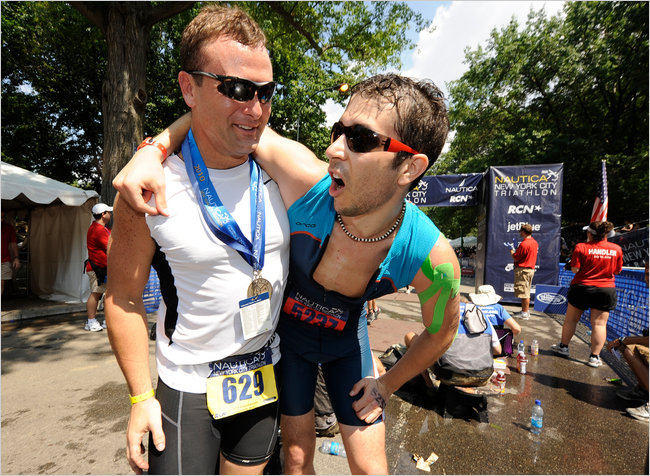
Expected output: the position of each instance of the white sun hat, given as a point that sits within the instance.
(485, 296)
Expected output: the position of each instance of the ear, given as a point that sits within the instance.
(188, 86)
(412, 168)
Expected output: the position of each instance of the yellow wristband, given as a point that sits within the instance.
(142, 396)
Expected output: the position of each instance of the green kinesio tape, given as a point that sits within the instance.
(442, 279)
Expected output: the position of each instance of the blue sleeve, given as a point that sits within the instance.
(503, 314)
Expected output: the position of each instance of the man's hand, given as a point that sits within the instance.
(146, 416)
(15, 264)
(375, 396)
(140, 178)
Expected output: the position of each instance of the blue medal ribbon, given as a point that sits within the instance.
(218, 219)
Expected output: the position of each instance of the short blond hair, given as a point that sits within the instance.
(213, 22)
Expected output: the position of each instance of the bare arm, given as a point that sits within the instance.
(143, 175)
(440, 315)
(13, 252)
(130, 251)
(293, 166)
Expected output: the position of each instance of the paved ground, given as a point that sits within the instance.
(65, 409)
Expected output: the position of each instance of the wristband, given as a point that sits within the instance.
(142, 397)
(150, 141)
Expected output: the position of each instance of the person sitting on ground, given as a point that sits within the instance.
(469, 360)
(635, 352)
(488, 301)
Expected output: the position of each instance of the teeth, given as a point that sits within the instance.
(247, 128)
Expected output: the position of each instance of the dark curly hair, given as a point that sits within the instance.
(422, 121)
(602, 228)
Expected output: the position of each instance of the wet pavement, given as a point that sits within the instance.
(65, 408)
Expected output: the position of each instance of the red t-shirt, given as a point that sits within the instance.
(8, 236)
(526, 254)
(97, 243)
(598, 261)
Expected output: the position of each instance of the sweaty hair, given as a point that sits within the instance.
(421, 122)
(213, 22)
(97, 216)
(602, 228)
(526, 228)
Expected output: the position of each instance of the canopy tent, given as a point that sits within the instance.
(467, 241)
(59, 217)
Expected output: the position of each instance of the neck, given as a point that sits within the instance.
(375, 223)
(214, 158)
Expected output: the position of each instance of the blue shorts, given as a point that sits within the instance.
(345, 358)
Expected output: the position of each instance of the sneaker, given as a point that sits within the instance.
(524, 315)
(632, 394)
(371, 316)
(639, 413)
(93, 326)
(104, 324)
(558, 349)
(594, 361)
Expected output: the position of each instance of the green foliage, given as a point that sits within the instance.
(571, 90)
(62, 57)
(53, 63)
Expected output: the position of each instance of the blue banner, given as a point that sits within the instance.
(551, 299)
(630, 317)
(635, 247)
(516, 195)
(446, 190)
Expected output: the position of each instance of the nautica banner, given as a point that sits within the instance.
(516, 195)
(446, 190)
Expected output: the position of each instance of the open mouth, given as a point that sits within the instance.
(337, 180)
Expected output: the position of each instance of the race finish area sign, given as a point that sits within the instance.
(459, 190)
(512, 196)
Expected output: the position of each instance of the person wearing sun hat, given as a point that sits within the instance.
(488, 301)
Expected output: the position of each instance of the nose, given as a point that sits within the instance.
(336, 149)
(254, 107)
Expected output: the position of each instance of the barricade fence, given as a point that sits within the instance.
(630, 316)
(151, 294)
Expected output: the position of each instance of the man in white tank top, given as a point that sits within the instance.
(222, 259)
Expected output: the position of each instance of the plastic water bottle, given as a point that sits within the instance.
(537, 418)
(521, 362)
(332, 448)
(501, 381)
(520, 346)
(534, 348)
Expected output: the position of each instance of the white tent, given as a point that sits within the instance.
(467, 241)
(59, 219)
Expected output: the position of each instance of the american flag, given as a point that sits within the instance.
(599, 212)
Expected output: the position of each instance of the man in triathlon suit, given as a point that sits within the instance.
(349, 245)
(222, 257)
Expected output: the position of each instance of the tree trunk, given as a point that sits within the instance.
(123, 92)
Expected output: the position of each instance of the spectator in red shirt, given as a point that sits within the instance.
(595, 264)
(97, 243)
(10, 261)
(525, 258)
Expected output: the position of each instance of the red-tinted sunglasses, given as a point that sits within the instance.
(361, 139)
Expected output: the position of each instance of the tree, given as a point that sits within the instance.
(313, 45)
(571, 90)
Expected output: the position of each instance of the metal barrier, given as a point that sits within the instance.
(631, 314)
(151, 294)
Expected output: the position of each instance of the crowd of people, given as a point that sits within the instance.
(285, 256)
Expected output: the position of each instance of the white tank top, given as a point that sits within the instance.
(210, 278)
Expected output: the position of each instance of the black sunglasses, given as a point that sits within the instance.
(361, 139)
(240, 89)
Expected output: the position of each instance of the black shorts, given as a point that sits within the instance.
(591, 297)
(193, 439)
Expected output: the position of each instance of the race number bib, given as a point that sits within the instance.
(241, 383)
(300, 307)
